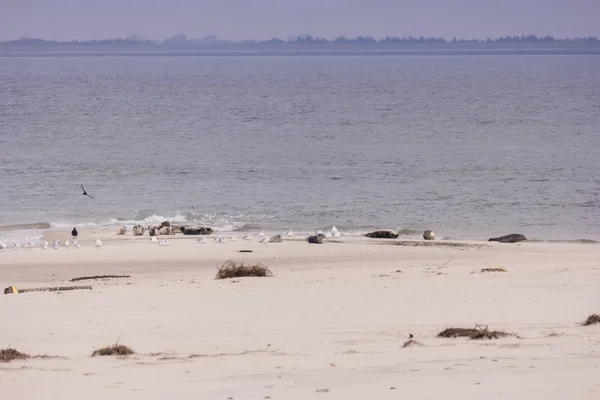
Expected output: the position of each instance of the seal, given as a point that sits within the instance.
(316, 239)
(429, 235)
(512, 238)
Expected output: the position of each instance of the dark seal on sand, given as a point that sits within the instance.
(317, 239)
(201, 230)
(512, 238)
(383, 234)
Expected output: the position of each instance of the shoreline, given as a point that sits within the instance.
(37, 236)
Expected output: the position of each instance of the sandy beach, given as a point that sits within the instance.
(331, 323)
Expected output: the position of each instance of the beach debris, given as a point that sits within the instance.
(164, 243)
(383, 234)
(233, 238)
(276, 239)
(429, 235)
(411, 343)
(98, 243)
(479, 332)
(138, 230)
(14, 290)
(198, 230)
(122, 230)
(316, 239)
(83, 278)
(237, 269)
(493, 270)
(322, 391)
(114, 350)
(245, 251)
(8, 355)
(591, 320)
(512, 238)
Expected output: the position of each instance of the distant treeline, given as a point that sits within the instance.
(182, 40)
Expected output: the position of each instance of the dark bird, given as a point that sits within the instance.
(410, 336)
(85, 193)
(74, 233)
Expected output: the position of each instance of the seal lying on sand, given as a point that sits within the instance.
(201, 230)
(383, 234)
(429, 235)
(317, 239)
(512, 238)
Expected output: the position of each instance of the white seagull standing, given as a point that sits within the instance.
(290, 233)
(335, 232)
(248, 237)
(201, 240)
(2, 246)
(98, 243)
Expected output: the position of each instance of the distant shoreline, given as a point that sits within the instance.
(87, 52)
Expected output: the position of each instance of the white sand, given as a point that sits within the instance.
(335, 316)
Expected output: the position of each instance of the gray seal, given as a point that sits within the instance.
(512, 238)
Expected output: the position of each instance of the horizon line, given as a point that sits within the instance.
(183, 37)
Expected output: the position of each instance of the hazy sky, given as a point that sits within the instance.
(263, 19)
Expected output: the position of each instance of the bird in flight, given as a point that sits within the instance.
(85, 193)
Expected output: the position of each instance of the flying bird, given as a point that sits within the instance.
(85, 193)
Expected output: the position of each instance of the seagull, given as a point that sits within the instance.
(44, 245)
(410, 336)
(2, 246)
(85, 193)
(335, 232)
(261, 234)
(248, 237)
(202, 240)
(221, 240)
(98, 243)
(67, 244)
(153, 239)
(233, 238)
(290, 233)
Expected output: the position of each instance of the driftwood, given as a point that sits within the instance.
(83, 278)
(9, 290)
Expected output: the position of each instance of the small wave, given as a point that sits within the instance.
(20, 227)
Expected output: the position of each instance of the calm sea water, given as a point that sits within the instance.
(470, 146)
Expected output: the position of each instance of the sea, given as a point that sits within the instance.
(471, 146)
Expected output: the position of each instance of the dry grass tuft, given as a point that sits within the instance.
(114, 350)
(8, 355)
(493, 270)
(235, 269)
(476, 333)
(411, 343)
(591, 320)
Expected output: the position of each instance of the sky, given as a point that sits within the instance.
(264, 19)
